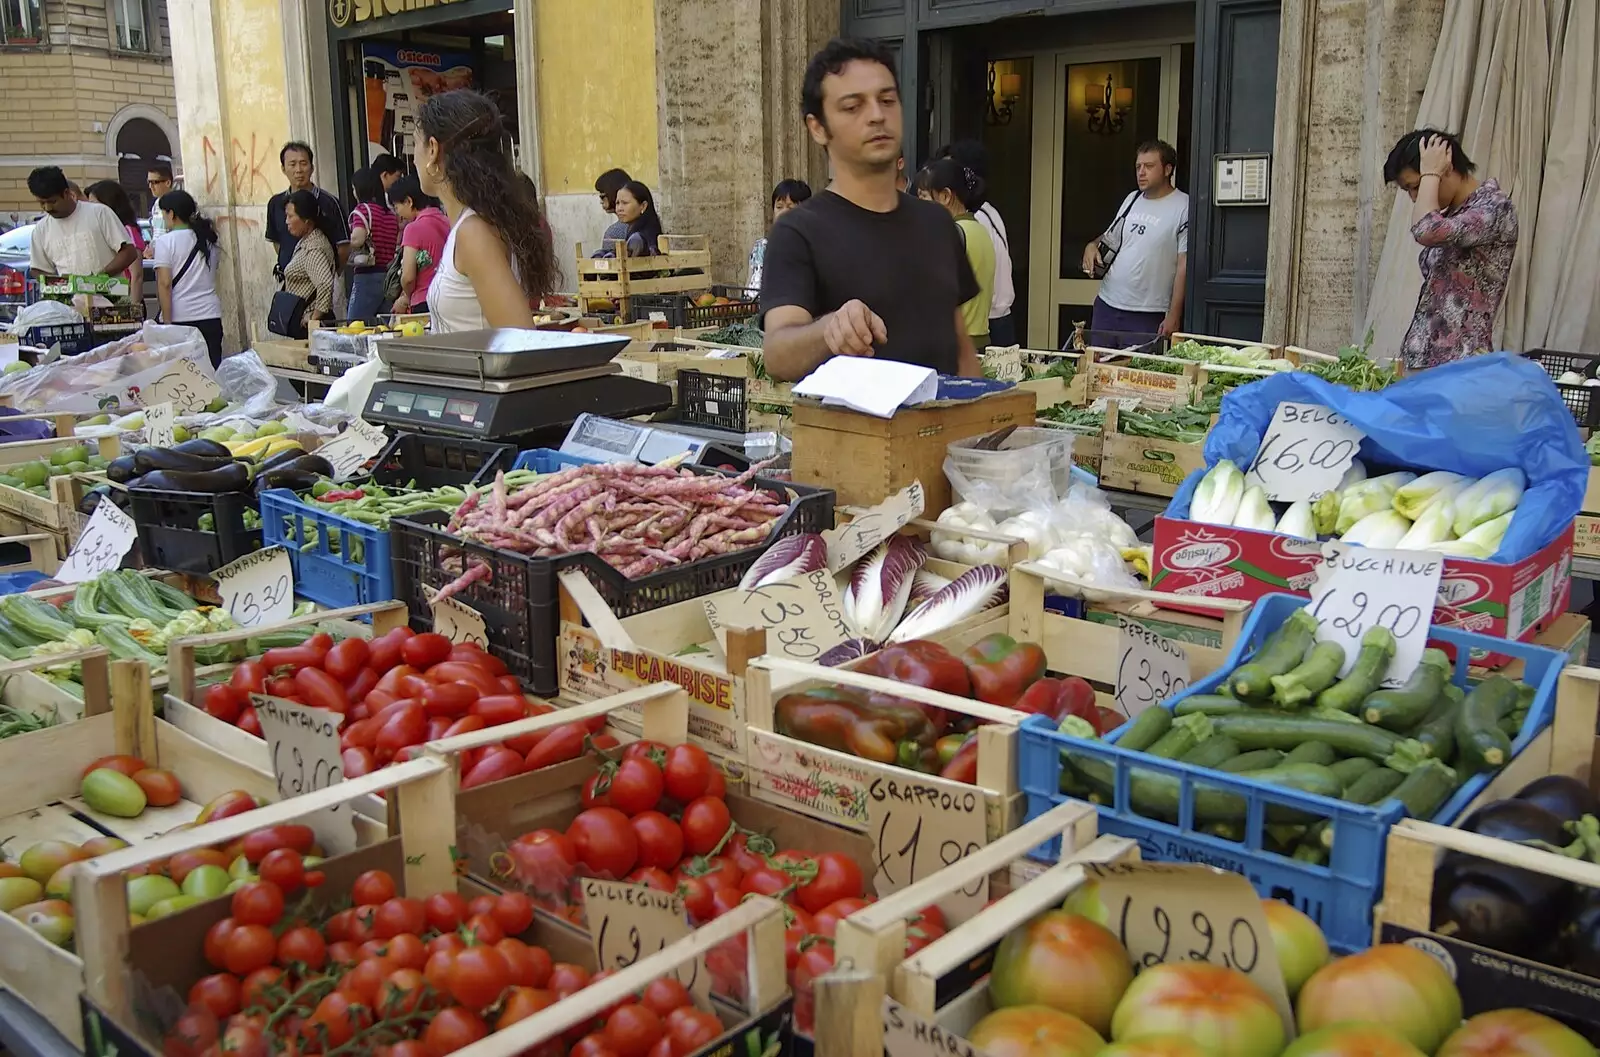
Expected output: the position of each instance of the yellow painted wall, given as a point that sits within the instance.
(597, 95)
(255, 112)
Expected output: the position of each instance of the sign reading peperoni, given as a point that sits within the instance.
(345, 12)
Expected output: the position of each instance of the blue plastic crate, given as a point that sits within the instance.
(1338, 896)
(356, 573)
(548, 460)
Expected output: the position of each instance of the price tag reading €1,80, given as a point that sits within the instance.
(1304, 453)
(1172, 912)
(628, 922)
(920, 824)
(1359, 588)
(1150, 668)
(865, 531)
(102, 545)
(459, 622)
(258, 588)
(803, 615)
(303, 743)
(158, 424)
(350, 450)
(188, 388)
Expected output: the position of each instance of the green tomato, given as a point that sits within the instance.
(206, 882)
(145, 892)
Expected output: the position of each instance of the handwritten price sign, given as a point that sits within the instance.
(1305, 452)
(628, 922)
(304, 745)
(1358, 588)
(459, 622)
(803, 615)
(188, 388)
(1150, 668)
(101, 547)
(258, 588)
(350, 450)
(905, 1034)
(158, 424)
(920, 824)
(864, 532)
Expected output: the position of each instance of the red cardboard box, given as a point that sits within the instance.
(1508, 601)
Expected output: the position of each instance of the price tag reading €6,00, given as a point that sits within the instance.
(350, 450)
(188, 388)
(865, 531)
(628, 922)
(459, 622)
(1172, 912)
(258, 588)
(158, 424)
(1150, 668)
(303, 743)
(101, 546)
(1358, 588)
(1304, 453)
(920, 824)
(803, 615)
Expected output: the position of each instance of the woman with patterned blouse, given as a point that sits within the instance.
(1468, 232)
(312, 271)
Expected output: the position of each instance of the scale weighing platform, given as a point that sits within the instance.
(506, 384)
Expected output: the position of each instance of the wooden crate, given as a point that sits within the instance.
(52, 513)
(39, 783)
(1146, 465)
(1052, 391)
(283, 352)
(865, 459)
(1110, 375)
(687, 257)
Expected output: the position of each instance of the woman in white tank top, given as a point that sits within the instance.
(495, 261)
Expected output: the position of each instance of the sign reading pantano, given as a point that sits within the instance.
(345, 12)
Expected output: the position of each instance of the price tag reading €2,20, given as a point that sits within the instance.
(185, 385)
(1304, 453)
(102, 545)
(158, 424)
(258, 588)
(1358, 588)
(350, 450)
(803, 615)
(628, 922)
(1150, 668)
(866, 530)
(303, 743)
(920, 824)
(459, 622)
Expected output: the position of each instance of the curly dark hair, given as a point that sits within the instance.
(472, 145)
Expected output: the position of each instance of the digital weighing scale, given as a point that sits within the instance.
(506, 384)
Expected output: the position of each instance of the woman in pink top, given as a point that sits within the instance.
(422, 241)
(110, 193)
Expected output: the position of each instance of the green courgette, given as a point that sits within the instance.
(1210, 705)
(1405, 707)
(1511, 723)
(1366, 675)
(1437, 731)
(1212, 752)
(1351, 769)
(1480, 743)
(1287, 732)
(1284, 648)
(1426, 788)
(1310, 677)
(1147, 726)
(1373, 786)
(1224, 831)
(1312, 854)
(1157, 795)
(1184, 734)
(1313, 752)
(1255, 760)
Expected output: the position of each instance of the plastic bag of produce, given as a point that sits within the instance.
(1030, 470)
(106, 378)
(1472, 417)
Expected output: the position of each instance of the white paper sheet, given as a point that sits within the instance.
(873, 387)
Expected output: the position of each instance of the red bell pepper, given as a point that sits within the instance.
(882, 730)
(1001, 668)
(340, 495)
(925, 664)
(963, 766)
(1060, 698)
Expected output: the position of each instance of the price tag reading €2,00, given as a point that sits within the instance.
(185, 385)
(803, 615)
(920, 824)
(865, 531)
(1359, 588)
(1173, 912)
(1304, 453)
(350, 450)
(158, 424)
(628, 922)
(258, 588)
(303, 743)
(101, 546)
(1150, 668)
(459, 622)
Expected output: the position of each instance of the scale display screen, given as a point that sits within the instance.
(465, 410)
(432, 406)
(400, 402)
(612, 436)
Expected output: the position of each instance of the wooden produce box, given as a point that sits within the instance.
(1489, 979)
(1054, 390)
(52, 513)
(283, 352)
(1111, 375)
(682, 266)
(1586, 538)
(1146, 465)
(865, 459)
(39, 786)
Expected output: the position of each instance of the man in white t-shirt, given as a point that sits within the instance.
(75, 237)
(1142, 290)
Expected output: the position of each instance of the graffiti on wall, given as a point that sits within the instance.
(247, 168)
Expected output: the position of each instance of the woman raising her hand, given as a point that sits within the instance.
(495, 262)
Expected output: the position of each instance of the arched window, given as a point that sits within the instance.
(140, 143)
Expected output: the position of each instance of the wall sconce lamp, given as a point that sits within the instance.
(1107, 106)
(1004, 91)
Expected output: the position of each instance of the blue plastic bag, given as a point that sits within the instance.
(1472, 417)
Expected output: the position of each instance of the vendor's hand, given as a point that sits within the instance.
(1091, 258)
(852, 329)
(1169, 326)
(1437, 158)
(401, 306)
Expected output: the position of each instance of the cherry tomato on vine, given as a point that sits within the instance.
(372, 888)
(705, 822)
(453, 1029)
(258, 903)
(660, 839)
(219, 992)
(687, 772)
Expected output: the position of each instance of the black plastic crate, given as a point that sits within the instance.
(713, 400)
(519, 599)
(744, 302)
(435, 462)
(1581, 400)
(73, 337)
(170, 535)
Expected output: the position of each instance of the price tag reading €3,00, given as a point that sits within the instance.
(101, 546)
(1172, 912)
(303, 743)
(185, 386)
(258, 588)
(350, 450)
(803, 615)
(459, 622)
(1150, 668)
(865, 531)
(1304, 453)
(920, 824)
(1358, 588)
(158, 424)
(628, 922)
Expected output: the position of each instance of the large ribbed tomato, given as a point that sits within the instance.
(1301, 946)
(1154, 1046)
(1391, 984)
(1221, 1009)
(1034, 1031)
(1066, 962)
(1352, 1040)
(1515, 1033)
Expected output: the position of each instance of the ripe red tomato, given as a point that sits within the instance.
(529, 966)
(596, 791)
(496, 709)
(425, 650)
(259, 988)
(636, 786)
(604, 841)
(354, 762)
(224, 701)
(838, 877)
(453, 1029)
(513, 911)
(399, 915)
(343, 952)
(258, 843)
(280, 685)
(249, 722)
(449, 699)
(567, 979)
(719, 785)
(591, 1045)
(218, 993)
(724, 900)
(125, 765)
(829, 916)
(405, 725)
(694, 1030)
(632, 1030)
(389, 682)
(248, 948)
(346, 660)
(815, 961)
(544, 859)
(385, 650)
(660, 839)
(497, 763)
(161, 788)
(283, 867)
(665, 994)
(357, 689)
(401, 992)
(479, 975)
(406, 951)
(705, 823)
(249, 677)
(485, 929)
(697, 898)
(652, 877)
(258, 903)
(320, 690)
(458, 671)
(445, 911)
(522, 1003)
(193, 1034)
(373, 888)
(767, 881)
(687, 772)
(286, 660)
(304, 946)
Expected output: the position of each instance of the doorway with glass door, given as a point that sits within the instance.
(1092, 108)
